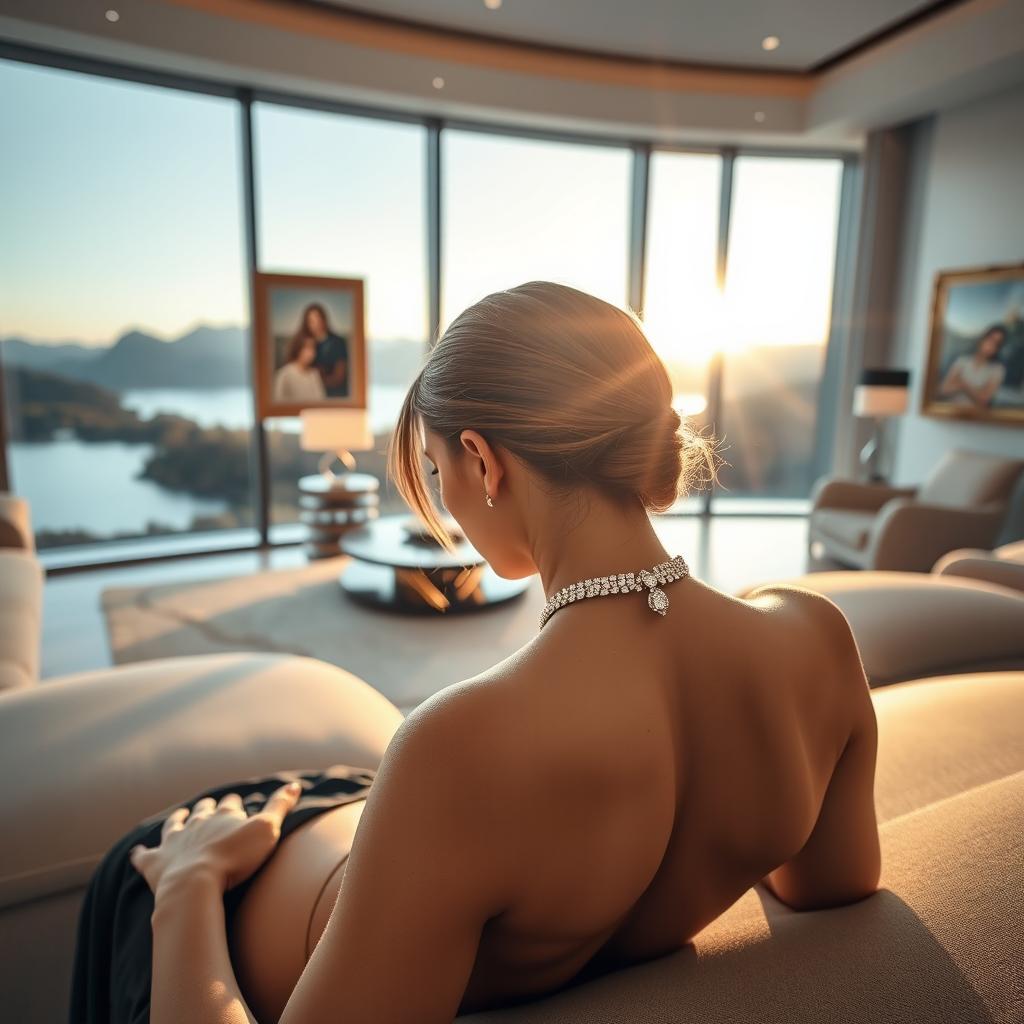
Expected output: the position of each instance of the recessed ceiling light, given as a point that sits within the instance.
(438, 82)
(112, 16)
(492, 4)
(759, 116)
(770, 43)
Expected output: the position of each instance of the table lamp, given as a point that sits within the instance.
(331, 504)
(880, 394)
(336, 433)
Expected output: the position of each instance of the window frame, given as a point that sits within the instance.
(113, 553)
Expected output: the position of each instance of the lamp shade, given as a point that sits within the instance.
(881, 393)
(331, 430)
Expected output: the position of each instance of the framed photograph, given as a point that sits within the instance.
(309, 343)
(976, 350)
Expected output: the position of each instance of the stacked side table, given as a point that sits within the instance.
(330, 506)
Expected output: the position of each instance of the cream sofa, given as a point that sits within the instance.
(87, 756)
(962, 503)
(1003, 566)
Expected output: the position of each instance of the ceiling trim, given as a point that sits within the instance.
(559, 49)
(883, 35)
(331, 7)
(374, 31)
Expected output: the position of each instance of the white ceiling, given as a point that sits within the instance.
(722, 32)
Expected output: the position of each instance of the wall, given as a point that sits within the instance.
(965, 208)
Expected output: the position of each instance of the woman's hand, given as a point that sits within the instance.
(218, 841)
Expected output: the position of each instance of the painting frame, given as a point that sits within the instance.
(331, 293)
(941, 352)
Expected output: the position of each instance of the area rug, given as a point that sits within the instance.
(406, 657)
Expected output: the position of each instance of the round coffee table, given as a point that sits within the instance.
(391, 569)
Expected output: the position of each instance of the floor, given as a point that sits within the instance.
(729, 552)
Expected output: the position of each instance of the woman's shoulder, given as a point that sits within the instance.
(812, 625)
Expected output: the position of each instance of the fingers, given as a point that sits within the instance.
(174, 821)
(230, 802)
(281, 801)
(207, 805)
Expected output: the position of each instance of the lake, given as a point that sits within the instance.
(232, 407)
(76, 485)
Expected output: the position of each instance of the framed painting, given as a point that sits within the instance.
(976, 346)
(309, 343)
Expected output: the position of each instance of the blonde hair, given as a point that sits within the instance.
(565, 382)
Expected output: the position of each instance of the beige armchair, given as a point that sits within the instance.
(1004, 566)
(962, 503)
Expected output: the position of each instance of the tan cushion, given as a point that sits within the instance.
(987, 566)
(21, 613)
(941, 736)
(939, 942)
(106, 749)
(914, 624)
(966, 479)
(1011, 552)
(844, 525)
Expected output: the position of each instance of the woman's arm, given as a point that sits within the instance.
(438, 853)
(952, 382)
(336, 376)
(203, 852)
(193, 979)
(983, 395)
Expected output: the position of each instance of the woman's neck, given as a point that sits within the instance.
(608, 539)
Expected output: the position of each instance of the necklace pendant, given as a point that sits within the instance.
(657, 600)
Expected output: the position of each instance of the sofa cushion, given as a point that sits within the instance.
(21, 613)
(95, 753)
(941, 736)
(967, 479)
(844, 525)
(1012, 552)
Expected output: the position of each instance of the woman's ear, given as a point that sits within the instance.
(489, 464)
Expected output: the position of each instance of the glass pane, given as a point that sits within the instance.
(778, 297)
(682, 303)
(517, 210)
(345, 196)
(124, 307)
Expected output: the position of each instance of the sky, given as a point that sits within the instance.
(122, 209)
(972, 307)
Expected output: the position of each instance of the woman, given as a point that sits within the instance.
(298, 380)
(331, 350)
(591, 802)
(974, 378)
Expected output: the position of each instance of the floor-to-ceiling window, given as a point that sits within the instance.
(777, 302)
(524, 209)
(124, 287)
(123, 307)
(344, 196)
(681, 308)
(742, 320)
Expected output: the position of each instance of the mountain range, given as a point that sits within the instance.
(204, 357)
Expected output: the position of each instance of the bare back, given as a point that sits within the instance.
(690, 757)
(660, 767)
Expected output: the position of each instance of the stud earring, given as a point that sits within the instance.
(490, 500)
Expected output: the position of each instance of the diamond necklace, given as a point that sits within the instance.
(620, 583)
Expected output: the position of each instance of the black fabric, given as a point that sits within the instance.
(112, 971)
